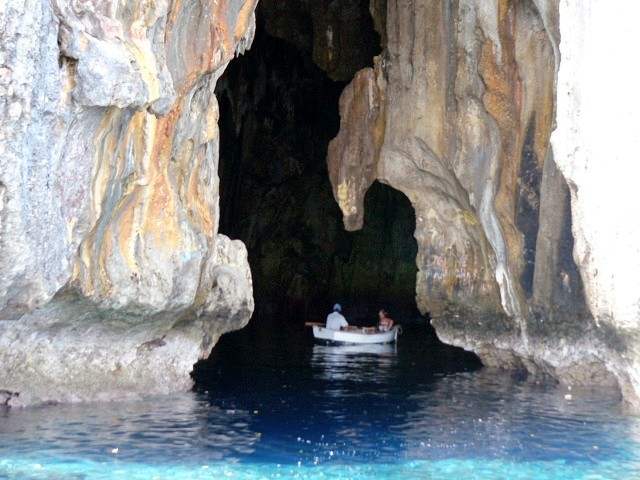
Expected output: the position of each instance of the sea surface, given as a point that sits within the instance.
(271, 404)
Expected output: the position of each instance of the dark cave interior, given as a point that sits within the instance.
(278, 112)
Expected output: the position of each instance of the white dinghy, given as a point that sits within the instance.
(353, 335)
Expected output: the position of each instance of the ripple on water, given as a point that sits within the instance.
(316, 413)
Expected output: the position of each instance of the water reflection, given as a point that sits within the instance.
(356, 363)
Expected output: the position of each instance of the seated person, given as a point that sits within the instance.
(335, 320)
(384, 322)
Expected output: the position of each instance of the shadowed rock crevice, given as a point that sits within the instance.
(528, 205)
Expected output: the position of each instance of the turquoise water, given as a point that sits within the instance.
(276, 406)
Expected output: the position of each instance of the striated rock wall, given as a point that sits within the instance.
(455, 110)
(497, 120)
(109, 193)
(458, 113)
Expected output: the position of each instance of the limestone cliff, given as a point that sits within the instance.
(492, 117)
(113, 278)
(514, 249)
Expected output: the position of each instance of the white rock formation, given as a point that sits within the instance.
(597, 147)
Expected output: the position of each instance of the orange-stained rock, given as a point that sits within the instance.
(109, 178)
(468, 110)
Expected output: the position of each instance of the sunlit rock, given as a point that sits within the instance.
(74, 350)
(596, 146)
(515, 239)
(109, 193)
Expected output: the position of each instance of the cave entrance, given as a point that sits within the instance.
(278, 112)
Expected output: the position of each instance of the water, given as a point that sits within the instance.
(273, 405)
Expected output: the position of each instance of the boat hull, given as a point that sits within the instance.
(353, 337)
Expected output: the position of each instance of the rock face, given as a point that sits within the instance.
(510, 144)
(458, 114)
(596, 148)
(109, 195)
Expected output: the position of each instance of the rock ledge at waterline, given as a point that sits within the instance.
(75, 350)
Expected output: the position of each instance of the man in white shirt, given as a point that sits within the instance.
(335, 320)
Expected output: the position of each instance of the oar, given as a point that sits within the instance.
(313, 324)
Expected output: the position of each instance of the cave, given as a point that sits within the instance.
(173, 170)
(278, 112)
